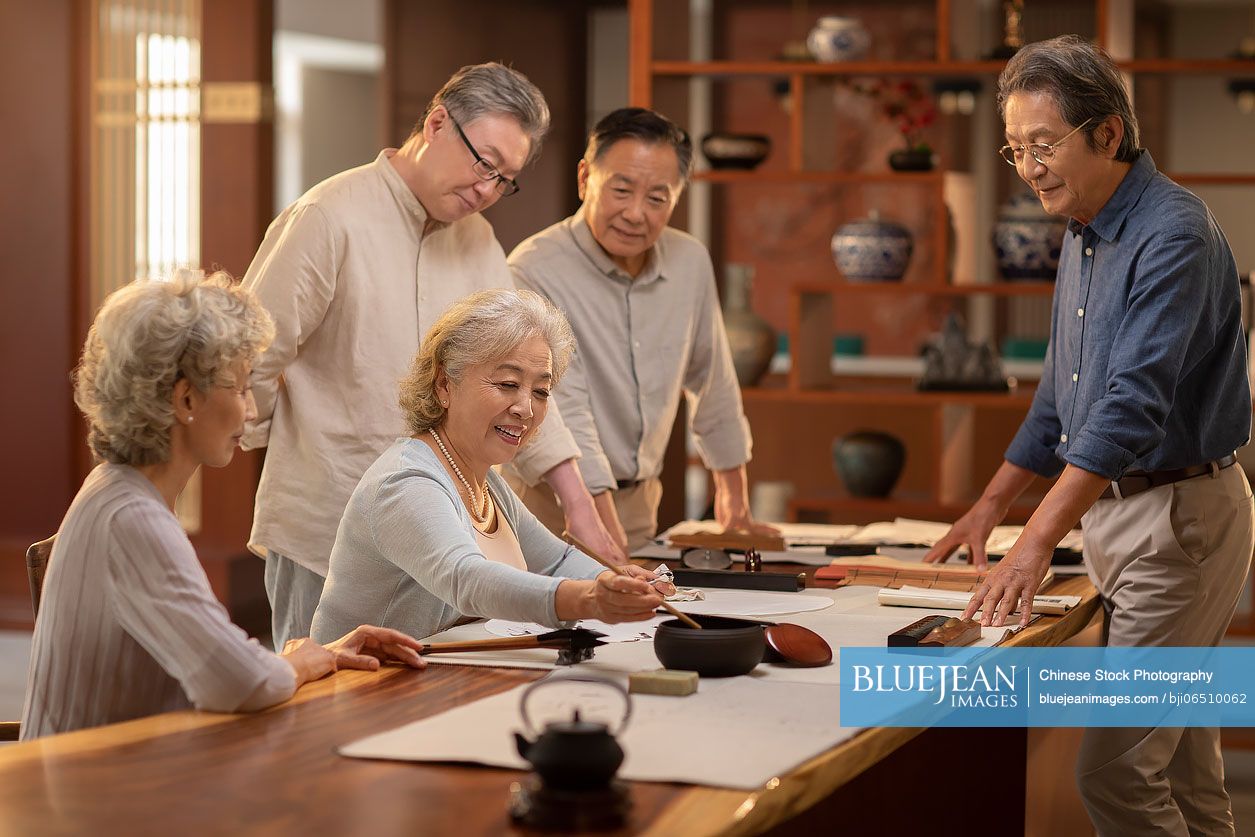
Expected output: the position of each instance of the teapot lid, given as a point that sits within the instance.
(577, 726)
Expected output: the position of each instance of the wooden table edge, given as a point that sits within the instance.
(695, 810)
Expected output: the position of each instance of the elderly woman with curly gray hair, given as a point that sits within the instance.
(432, 534)
(128, 625)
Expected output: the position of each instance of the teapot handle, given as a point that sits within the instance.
(579, 678)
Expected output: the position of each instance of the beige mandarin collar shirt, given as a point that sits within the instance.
(353, 282)
(643, 343)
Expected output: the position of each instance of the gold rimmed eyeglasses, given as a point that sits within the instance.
(1042, 152)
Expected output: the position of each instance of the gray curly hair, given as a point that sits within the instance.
(482, 327)
(145, 337)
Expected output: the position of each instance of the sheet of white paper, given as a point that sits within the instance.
(851, 618)
(736, 733)
(795, 534)
(748, 603)
(811, 537)
(907, 596)
(752, 603)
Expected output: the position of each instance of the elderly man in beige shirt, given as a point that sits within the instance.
(641, 298)
(354, 273)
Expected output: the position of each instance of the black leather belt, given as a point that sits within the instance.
(622, 484)
(1135, 482)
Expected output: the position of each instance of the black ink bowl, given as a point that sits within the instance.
(725, 647)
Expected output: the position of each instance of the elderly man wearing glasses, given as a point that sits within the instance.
(1142, 402)
(353, 273)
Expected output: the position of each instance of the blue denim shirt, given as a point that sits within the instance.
(1146, 367)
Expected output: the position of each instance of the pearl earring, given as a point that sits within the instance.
(191, 419)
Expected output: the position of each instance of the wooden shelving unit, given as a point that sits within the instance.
(952, 418)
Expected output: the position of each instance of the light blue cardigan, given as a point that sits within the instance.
(405, 555)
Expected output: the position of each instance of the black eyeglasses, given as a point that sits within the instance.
(486, 170)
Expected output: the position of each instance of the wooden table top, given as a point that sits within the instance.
(277, 771)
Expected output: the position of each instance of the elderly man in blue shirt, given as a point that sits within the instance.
(1143, 400)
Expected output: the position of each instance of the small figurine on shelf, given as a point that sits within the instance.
(952, 362)
(911, 109)
(1012, 30)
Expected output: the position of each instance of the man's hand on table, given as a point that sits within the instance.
(971, 530)
(732, 505)
(1014, 581)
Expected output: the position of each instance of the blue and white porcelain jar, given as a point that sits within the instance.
(872, 250)
(838, 39)
(1027, 240)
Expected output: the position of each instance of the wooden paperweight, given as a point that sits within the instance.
(936, 631)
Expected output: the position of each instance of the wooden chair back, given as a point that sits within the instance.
(37, 556)
(36, 567)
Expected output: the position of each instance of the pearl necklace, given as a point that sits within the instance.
(479, 517)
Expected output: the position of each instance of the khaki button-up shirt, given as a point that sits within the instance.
(642, 343)
(353, 281)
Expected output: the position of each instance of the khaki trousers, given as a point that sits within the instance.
(293, 592)
(637, 507)
(1169, 564)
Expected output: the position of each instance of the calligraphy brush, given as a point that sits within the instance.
(575, 639)
(618, 570)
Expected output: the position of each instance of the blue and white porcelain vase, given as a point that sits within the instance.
(838, 39)
(1027, 240)
(872, 250)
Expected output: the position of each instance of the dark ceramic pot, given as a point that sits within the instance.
(868, 462)
(724, 647)
(911, 159)
(735, 151)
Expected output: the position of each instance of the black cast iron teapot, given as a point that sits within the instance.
(575, 754)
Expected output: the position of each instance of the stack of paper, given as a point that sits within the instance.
(898, 534)
(958, 600)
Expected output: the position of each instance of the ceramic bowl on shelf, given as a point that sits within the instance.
(735, 151)
(839, 39)
(872, 250)
(911, 159)
(869, 462)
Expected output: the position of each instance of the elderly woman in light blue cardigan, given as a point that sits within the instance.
(432, 535)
